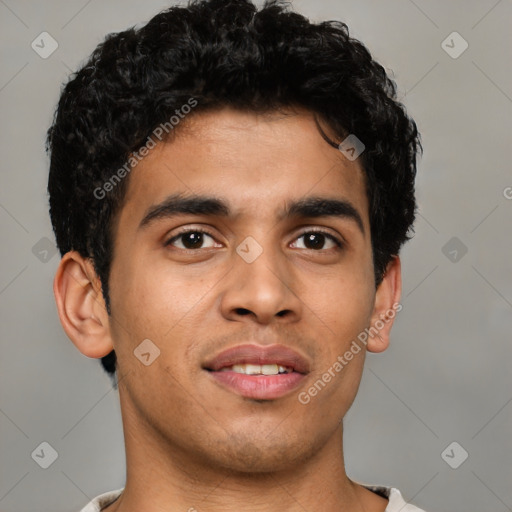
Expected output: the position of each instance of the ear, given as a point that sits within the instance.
(81, 306)
(387, 305)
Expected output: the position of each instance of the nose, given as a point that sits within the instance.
(261, 290)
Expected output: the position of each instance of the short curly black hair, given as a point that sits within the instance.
(223, 53)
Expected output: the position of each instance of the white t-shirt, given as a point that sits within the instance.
(396, 501)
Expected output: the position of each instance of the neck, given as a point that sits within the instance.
(163, 477)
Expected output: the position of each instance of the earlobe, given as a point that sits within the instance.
(81, 306)
(387, 306)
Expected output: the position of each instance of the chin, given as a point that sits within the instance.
(250, 454)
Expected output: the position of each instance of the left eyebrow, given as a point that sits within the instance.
(310, 207)
(323, 207)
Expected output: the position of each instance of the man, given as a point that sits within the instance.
(229, 190)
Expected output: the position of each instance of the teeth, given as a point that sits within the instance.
(258, 369)
(269, 369)
(252, 369)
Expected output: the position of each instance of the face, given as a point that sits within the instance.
(253, 275)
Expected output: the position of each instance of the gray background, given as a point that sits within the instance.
(444, 377)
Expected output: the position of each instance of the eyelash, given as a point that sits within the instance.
(339, 243)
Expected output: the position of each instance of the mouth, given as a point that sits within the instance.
(258, 372)
(258, 369)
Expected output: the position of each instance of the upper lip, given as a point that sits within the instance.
(258, 354)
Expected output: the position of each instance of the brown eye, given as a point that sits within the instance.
(192, 240)
(316, 240)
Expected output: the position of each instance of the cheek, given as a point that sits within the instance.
(342, 306)
(150, 300)
(172, 309)
(154, 305)
(342, 315)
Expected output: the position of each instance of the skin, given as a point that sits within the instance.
(190, 443)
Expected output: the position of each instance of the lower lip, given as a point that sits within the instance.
(259, 387)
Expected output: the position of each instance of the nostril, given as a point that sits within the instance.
(242, 311)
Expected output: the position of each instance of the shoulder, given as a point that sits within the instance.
(396, 500)
(102, 501)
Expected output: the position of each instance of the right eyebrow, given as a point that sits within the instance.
(178, 203)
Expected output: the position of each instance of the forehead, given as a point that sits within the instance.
(255, 162)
